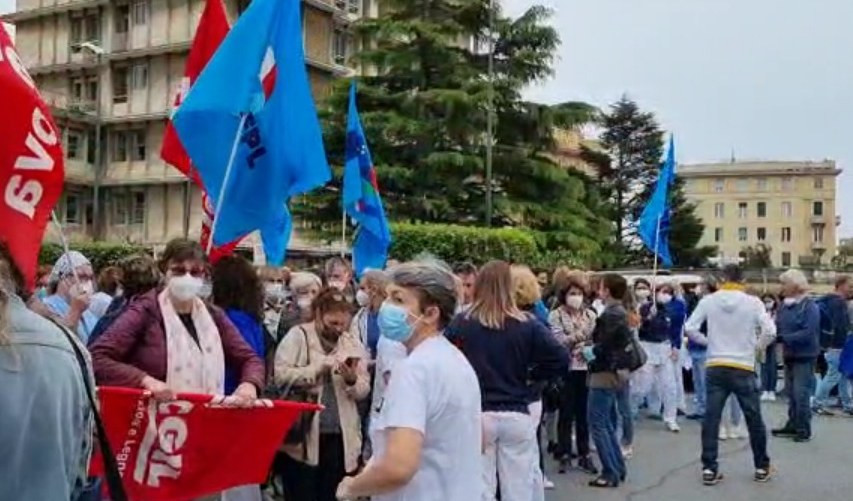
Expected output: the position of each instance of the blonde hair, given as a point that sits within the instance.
(302, 280)
(493, 296)
(525, 287)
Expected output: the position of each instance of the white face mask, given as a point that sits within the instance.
(643, 294)
(85, 287)
(274, 290)
(304, 303)
(185, 287)
(337, 284)
(769, 305)
(362, 298)
(575, 302)
(790, 301)
(664, 298)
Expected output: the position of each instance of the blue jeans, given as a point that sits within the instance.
(833, 377)
(769, 370)
(799, 379)
(601, 409)
(700, 376)
(624, 416)
(722, 383)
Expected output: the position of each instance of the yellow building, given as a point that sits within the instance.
(110, 71)
(786, 206)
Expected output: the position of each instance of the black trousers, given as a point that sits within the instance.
(573, 408)
(302, 482)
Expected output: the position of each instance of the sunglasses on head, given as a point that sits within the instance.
(179, 269)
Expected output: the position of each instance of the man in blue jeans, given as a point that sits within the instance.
(833, 338)
(733, 317)
(699, 359)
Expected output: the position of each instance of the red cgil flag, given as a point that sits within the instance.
(190, 447)
(212, 29)
(32, 168)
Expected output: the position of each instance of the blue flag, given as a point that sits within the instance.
(655, 220)
(280, 151)
(361, 197)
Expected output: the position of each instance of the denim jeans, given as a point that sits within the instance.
(769, 370)
(601, 408)
(833, 377)
(700, 376)
(722, 382)
(624, 415)
(800, 381)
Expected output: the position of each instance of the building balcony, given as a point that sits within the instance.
(345, 11)
(819, 220)
(46, 10)
(818, 247)
(808, 261)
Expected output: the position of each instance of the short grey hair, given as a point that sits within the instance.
(376, 279)
(795, 277)
(302, 280)
(433, 282)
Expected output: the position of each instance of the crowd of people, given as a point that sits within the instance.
(435, 383)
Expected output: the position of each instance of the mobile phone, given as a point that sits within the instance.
(351, 361)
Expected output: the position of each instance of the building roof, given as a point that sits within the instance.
(752, 168)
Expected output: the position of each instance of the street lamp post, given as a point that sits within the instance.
(490, 119)
(98, 52)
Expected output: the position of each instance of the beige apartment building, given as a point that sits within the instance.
(787, 206)
(110, 70)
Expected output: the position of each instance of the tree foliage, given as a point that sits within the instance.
(757, 257)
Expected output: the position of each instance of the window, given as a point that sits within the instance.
(719, 185)
(93, 27)
(761, 234)
(76, 35)
(742, 234)
(122, 18)
(139, 144)
(818, 183)
(787, 183)
(787, 209)
(761, 209)
(72, 209)
(339, 46)
(119, 208)
(90, 148)
(762, 184)
(786, 234)
(741, 210)
(77, 89)
(718, 235)
(817, 233)
(92, 89)
(73, 143)
(817, 208)
(140, 12)
(139, 76)
(786, 259)
(354, 7)
(90, 213)
(120, 78)
(719, 210)
(743, 184)
(120, 146)
(137, 208)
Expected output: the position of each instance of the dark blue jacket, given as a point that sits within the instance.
(505, 360)
(798, 327)
(666, 325)
(253, 333)
(835, 309)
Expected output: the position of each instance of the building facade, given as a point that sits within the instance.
(110, 71)
(788, 207)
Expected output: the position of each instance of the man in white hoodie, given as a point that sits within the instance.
(738, 325)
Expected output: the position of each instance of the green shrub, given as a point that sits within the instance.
(99, 253)
(455, 244)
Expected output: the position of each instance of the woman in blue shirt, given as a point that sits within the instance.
(72, 287)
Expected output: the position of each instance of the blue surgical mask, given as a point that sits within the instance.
(394, 322)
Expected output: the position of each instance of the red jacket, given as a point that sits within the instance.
(134, 346)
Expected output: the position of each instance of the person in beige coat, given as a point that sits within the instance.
(324, 357)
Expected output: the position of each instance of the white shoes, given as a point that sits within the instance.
(673, 426)
(549, 485)
(724, 432)
(738, 432)
(627, 452)
(768, 396)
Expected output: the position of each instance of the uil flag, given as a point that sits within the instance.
(32, 167)
(361, 196)
(655, 219)
(279, 152)
(192, 446)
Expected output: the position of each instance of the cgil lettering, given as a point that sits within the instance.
(160, 450)
(252, 138)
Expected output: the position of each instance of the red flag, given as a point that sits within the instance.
(32, 168)
(190, 447)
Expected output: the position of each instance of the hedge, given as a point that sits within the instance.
(455, 244)
(101, 254)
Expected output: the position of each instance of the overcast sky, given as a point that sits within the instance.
(769, 79)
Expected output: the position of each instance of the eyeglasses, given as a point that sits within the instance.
(179, 269)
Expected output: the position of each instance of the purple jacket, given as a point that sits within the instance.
(134, 346)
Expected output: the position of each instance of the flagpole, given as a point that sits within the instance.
(65, 249)
(221, 198)
(655, 264)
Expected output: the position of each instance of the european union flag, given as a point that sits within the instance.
(361, 197)
(280, 149)
(654, 224)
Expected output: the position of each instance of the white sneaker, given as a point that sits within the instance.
(765, 396)
(771, 396)
(627, 452)
(549, 485)
(673, 426)
(739, 432)
(724, 433)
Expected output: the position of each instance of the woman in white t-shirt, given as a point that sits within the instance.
(428, 432)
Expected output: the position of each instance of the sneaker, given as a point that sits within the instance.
(724, 433)
(711, 477)
(627, 452)
(587, 466)
(765, 396)
(549, 485)
(823, 411)
(738, 432)
(673, 426)
(771, 396)
(784, 432)
(764, 474)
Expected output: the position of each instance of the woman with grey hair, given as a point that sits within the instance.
(73, 280)
(798, 327)
(427, 434)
